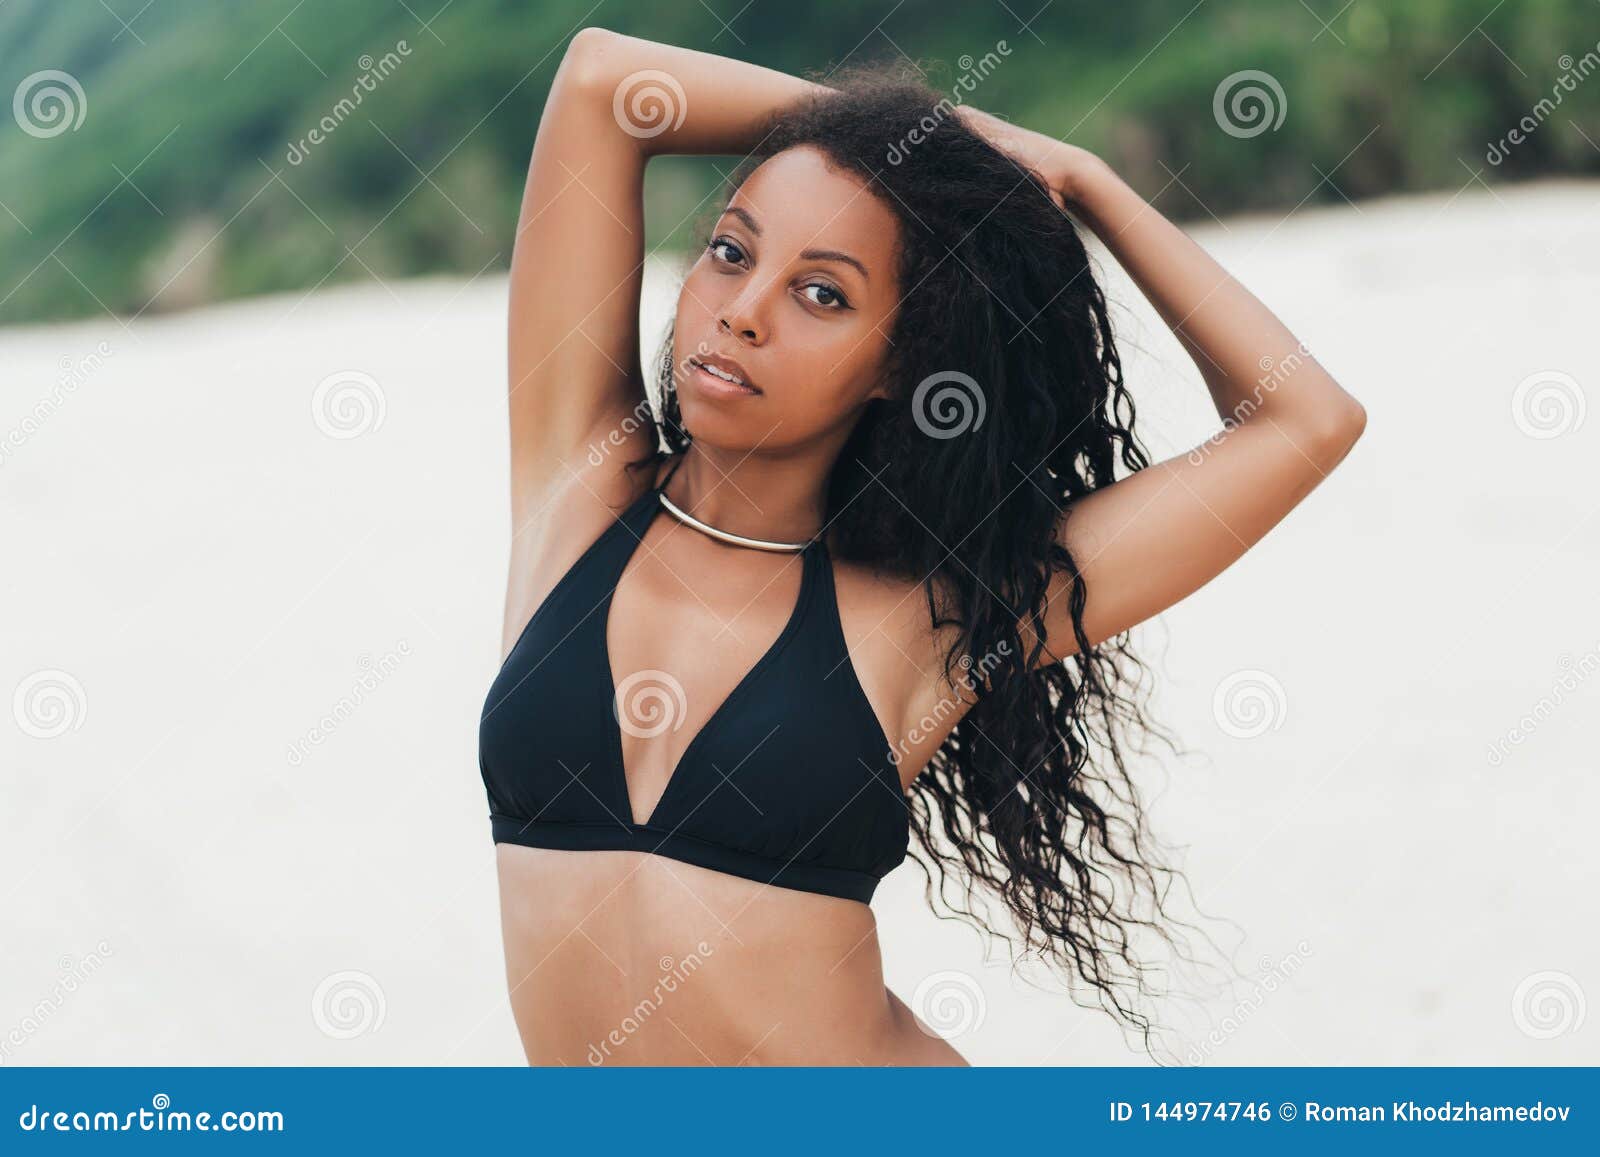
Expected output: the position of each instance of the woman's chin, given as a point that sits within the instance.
(721, 427)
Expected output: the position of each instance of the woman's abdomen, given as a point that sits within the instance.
(626, 958)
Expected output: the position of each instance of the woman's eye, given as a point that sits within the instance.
(724, 250)
(824, 295)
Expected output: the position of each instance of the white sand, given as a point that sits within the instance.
(215, 572)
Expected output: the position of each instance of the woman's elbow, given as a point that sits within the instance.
(1351, 419)
(589, 64)
(1337, 428)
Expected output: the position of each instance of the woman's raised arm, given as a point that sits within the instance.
(576, 267)
(1146, 541)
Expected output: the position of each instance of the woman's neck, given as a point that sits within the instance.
(773, 499)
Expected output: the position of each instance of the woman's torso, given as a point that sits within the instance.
(626, 957)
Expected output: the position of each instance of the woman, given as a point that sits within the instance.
(878, 582)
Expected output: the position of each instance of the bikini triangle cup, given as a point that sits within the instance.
(789, 782)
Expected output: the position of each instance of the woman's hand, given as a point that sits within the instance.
(1064, 168)
(1150, 539)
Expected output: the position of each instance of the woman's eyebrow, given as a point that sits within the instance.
(835, 255)
(749, 223)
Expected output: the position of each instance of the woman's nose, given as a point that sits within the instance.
(742, 319)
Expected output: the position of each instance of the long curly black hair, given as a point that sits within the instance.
(962, 484)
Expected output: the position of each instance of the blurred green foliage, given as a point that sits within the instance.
(178, 186)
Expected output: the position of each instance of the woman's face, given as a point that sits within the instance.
(794, 297)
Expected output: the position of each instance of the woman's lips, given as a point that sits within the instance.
(714, 379)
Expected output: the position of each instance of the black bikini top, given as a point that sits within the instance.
(790, 782)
